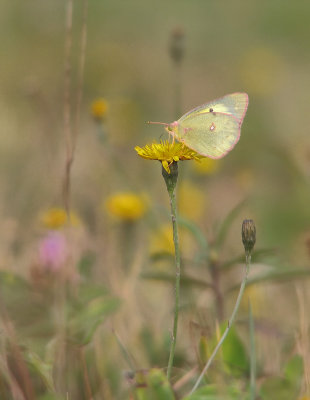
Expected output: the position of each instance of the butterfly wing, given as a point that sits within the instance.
(234, 104)
(211, 134)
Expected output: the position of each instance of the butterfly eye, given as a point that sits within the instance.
(169, 128)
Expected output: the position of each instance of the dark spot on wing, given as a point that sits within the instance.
(212, 127)
(211, 110)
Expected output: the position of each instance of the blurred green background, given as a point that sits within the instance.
(259, 47)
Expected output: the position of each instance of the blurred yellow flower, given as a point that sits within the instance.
(191, 201)
(56, 218)
(207, 166)
(304, 398)
(126, 206)
(161, 240)
(258, 298)
(260, 69)
(167, 153)
(99, 109)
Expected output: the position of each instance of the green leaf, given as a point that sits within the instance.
(154, 386)
(256, 256)
(211, 392)
(86, 264)
(43, 369)
(159, 387)
(170, 278)
(278, 275)
(197, 233)
(234, 353)
(90, 310)
(49, 396)
(276, 388)
(205, 393)
(286, 388)
(293, 371)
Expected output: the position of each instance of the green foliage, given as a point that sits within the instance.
(88, 311)
(186, 281)
(48, 396)
(234, 353)
(277, 275)
(212, 392)
(32, 317)
(153, 386)
(86, 264)
(198, 235)
(42, 369)
(51, 317)
(286, 387)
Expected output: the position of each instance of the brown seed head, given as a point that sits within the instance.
(248, 235)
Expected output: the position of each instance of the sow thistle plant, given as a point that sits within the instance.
(169, 154)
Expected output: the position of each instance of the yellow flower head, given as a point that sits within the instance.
(56, 218)
(126, 206)
(167, 153)
(99, 109)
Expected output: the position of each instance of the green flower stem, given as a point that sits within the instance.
(230, 322)
(252, 355)
(171, 180)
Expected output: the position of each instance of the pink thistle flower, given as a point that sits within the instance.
(53, 251)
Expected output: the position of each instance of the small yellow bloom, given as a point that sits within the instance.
(99, 109)
(56, 218)
(167, 153)
(161, 241)
(191, 201)
(207, 166)
(126, 206)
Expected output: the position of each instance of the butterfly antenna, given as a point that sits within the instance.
(157, 123)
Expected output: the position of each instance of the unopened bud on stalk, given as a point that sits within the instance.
(248, 235)
(176, 47)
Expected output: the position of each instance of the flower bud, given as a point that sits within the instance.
(248, 235)
(172, 177)
(176, 47)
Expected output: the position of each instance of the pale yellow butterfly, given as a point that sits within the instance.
(211, 129)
